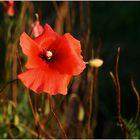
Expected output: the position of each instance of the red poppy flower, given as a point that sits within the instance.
(52, 61)
(10, 8)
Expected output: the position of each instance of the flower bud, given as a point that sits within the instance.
(95, 63)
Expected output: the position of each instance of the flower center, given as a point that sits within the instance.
(49, 54)
(46, 56)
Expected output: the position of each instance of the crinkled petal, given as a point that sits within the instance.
(27, 43)
(47, 42)
(47, 33)
(50, 81)
(34, 61)
(74, 43)
(32, 50)
(68, 57)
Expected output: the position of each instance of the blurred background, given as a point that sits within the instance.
(89, 110)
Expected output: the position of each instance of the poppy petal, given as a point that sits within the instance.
(27, 43)
(34, 61)
(48, 32)
(47, 42)
(50, 81)
(31, 49)
(68, 56)
(75, 43)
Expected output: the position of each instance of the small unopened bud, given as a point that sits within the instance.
(95, 63)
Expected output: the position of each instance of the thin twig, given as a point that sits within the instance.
(113, 77)
(19, 60)
(95, 99)
(34, 133)
(30, 102)
(50, 103)
(138, 101)
(56, 9)
(116, 81)
(37, 123)
(9, 82)
(55, 116)
(10, 132)
(51, 116)
(90, 107)
(118, 91)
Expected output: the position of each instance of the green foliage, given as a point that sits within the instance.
(133, 130)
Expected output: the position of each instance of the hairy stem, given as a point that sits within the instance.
(95, 99)
(138, 101)
(55, 116)
(118, 91)
(90, 107)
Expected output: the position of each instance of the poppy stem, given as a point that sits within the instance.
(95, 100)
(116, 81)
(19, 60)
(138, 101)
(37, 16)
(118, 91)
(33, 111)
(37, 122)
(90, 107)
(55, 116)
(113, 77)
(51, 116)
